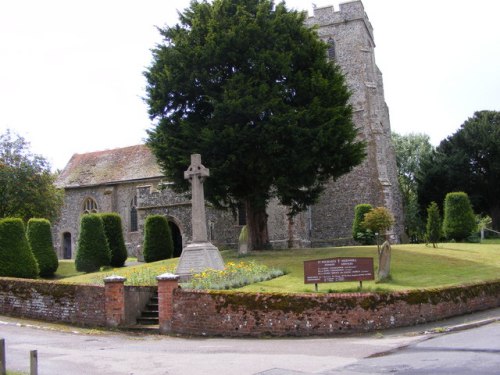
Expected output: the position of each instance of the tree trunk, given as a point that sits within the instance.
(495, 217)
(384, 261)
(258, 236)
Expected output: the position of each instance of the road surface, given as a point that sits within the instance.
(68, 350)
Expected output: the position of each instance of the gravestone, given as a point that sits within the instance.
(199, 254)
(384, 261)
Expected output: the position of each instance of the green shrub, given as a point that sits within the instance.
(114, 234)
(39, 235)
(459, 221)
(433, 226)
(378, 220)
(16, 257)
(92, 249)
(158, 242)
(359, 233)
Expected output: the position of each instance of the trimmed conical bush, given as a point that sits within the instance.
(114, 234)
(92, 249)
(158, 242)
(459, 221)
(40, 239)
(358, 232)
(16, 257)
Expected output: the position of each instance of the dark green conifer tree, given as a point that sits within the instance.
(158, 244)
(459, 220)
(248, 86)
(114, 234)
(433, 227)
(16, 257)
(39, 235)
(93, 249)
(359, 233)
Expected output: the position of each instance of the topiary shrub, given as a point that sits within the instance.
(92, 249)
(459, 220)
(39, 235)
(16, 257)
(114, 234)
(158, 242)
(359, 233)
(433, 226)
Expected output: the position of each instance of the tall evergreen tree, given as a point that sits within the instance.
(247, 85)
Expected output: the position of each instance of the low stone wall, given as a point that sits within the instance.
(49, 301)
(246, 314)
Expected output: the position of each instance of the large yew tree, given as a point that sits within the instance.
(246, 85)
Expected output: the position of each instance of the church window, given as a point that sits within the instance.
(133, 215)
(331, 49)
(89, 206)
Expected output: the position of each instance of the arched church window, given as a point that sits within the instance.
(331, 49)
(89, 206)
(134, 227)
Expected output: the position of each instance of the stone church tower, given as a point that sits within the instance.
(350, 36)
(128, 180)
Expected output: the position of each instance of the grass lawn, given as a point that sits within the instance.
(412, 266)
(66, 269)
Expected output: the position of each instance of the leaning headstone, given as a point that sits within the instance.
(243, 241)
(384, 261)
(199, 254)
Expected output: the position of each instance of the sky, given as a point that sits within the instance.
(71, 71)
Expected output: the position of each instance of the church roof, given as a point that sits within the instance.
(109, 166)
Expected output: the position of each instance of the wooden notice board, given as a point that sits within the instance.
(337, 270)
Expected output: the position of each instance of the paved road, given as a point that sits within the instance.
(66, 350)
(474, 351)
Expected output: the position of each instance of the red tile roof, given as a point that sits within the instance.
(109, 166)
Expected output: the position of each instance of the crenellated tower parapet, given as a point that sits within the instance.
(348, 12)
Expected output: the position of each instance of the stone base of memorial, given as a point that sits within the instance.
(197, 257)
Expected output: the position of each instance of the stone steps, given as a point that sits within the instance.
(149, 316)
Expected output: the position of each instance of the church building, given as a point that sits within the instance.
(129, 181)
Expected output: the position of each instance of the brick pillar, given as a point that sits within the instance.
(167, 283)
(114, 292)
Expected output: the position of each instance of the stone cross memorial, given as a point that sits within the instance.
(199, 254)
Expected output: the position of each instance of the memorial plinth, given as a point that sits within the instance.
(199, 254)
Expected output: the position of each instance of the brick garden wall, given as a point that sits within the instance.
(245, 314)
(241, 314)
(49, 301)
